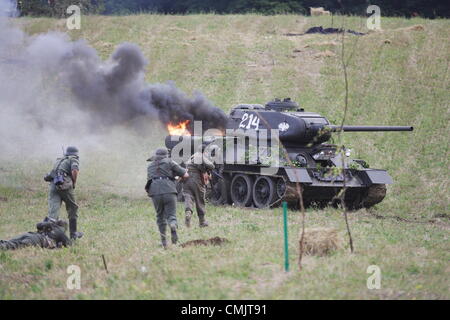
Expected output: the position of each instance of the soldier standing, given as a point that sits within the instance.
(194, 188)
(161, 174)
(63, 179)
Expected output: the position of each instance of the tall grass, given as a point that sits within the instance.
(246, 58)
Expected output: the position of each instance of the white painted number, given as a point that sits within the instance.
(253, 121)
(244, 118)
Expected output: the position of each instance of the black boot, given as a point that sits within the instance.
(173, 233)
(202, 222)
(73, 230)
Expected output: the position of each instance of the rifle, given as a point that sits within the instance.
(218, 175)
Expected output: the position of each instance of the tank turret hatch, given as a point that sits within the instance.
(282, 105)
(249, 107)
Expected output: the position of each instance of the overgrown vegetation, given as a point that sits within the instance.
(424, 8)
(247, 58)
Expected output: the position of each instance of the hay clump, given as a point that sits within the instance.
(321, 241)
(320, 11)
(417, 27)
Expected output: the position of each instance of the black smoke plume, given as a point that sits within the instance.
(116, 92)
(53, 72)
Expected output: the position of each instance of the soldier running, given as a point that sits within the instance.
(194, 188)
(160, 186)
(50, 234)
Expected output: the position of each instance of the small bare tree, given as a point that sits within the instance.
(344, 63)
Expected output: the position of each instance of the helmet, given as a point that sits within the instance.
(48, 224)
(71, 151)
(161, 152)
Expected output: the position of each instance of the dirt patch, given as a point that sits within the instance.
(324, 54)
(4, 199)
(216, 241)
(17, 278)
(417, 27)
(322, 30)
(179, 29)
(442, 215)
(326, 43)
(400, 219)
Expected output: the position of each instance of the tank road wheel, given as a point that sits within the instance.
(264, 192)
(375, 194)
(241, 190)
(219, 194)
(280, 188)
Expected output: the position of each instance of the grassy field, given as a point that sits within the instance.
(396, 77)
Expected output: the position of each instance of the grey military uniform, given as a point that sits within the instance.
(26, 240)
(65, 192)
(194, 188)
(51, 236)
(161, 172)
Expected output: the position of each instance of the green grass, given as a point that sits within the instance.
(246, 58)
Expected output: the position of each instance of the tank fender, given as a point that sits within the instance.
(375, 176)
(298, 175)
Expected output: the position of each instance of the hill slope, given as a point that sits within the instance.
(396, 77)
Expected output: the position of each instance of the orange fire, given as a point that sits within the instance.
(179, 129)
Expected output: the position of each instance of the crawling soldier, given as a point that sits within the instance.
(50, 234)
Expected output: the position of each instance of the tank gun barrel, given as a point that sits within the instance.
(335, 128)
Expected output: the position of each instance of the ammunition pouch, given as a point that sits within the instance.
(62, 181)
(58, 180)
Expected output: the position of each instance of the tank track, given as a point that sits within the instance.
(362, 198)
(375, 194)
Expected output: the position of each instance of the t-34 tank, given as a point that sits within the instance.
(308, 164)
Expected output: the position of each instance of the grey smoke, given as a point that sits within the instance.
(53, 84)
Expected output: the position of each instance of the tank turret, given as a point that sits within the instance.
(296, 127)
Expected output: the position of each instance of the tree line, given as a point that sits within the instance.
(404, 8)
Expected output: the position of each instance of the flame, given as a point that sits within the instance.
(179, 129)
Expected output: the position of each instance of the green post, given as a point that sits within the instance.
(286, 247)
